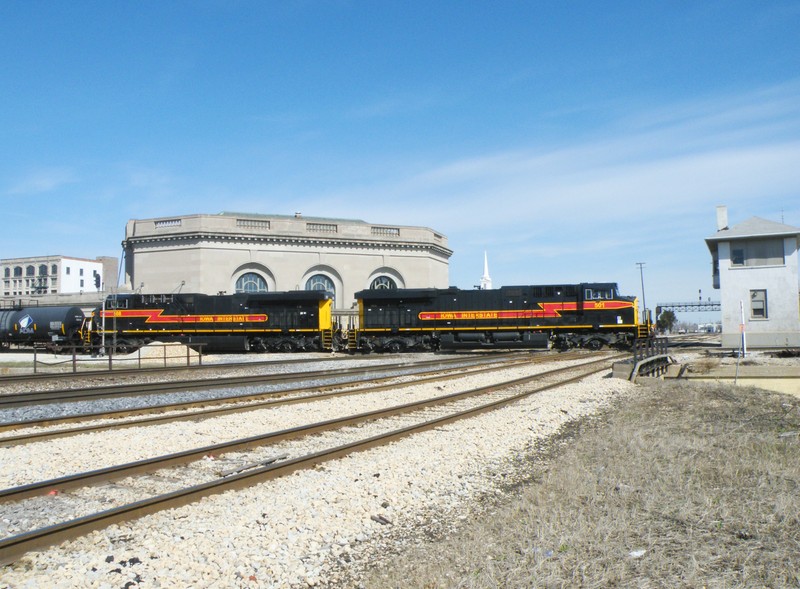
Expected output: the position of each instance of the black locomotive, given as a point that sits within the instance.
(590, 315)
(259, 322)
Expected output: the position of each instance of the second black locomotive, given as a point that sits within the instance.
(590, 315)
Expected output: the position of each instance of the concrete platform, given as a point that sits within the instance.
(781, 379)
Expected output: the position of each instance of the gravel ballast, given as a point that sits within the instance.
(306, 529)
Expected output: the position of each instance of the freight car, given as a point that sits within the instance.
(51, 327)
(259, 322)
(589, 315)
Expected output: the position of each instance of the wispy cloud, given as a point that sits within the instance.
(645, 187)
(687, 161)
(398, 103)
(152, 181)
(42, 181)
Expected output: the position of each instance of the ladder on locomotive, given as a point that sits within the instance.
(86, 332)
(352, 339)
(327, 339)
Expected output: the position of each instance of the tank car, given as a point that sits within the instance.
(590, 315)
(51, 327)
(260, 322)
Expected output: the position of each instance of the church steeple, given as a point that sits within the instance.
(486, 280)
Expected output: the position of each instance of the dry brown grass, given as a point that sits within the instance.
(690, 485)
(704, 365)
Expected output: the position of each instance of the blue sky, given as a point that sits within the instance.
(568, 140)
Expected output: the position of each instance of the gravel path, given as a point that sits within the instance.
(307, 529)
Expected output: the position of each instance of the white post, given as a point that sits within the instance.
(741, 328)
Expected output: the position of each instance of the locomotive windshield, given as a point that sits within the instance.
(599, 293)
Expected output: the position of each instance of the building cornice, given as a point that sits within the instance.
(132, 243)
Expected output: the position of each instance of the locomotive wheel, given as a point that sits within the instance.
(594, 344)
(286, 346)
(124, 347)
(395, 347)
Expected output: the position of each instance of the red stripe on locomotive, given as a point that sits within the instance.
(545, 310)
(157, 316)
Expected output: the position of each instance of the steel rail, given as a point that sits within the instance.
(150, 464)
(243, 404)
(15, 400)
(84, 374)
(13, 547)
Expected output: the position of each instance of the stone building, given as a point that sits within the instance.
(756, 269)
(235, 252)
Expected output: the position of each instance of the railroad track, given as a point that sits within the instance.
(499, 394)
(197, 369)
(39, 398)
(169, 412)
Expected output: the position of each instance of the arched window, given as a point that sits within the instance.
(321, 282)
(251, 282)
(43, 270)
(17, 271)
(383, 283)
(53, 269)
(8, 273)
(30, 271)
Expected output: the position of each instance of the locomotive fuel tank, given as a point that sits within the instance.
(40, 325)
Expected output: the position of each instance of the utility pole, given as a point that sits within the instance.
(644, 300)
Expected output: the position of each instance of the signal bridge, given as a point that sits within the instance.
(693, 306)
